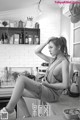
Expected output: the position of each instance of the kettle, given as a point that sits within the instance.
(20, 24)
(74, 87)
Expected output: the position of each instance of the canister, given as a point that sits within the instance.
(36, 39)
(20, 24)
(37, 25)
(30, 39)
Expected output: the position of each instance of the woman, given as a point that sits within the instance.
(55, 80)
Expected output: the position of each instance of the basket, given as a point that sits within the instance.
(72, 113)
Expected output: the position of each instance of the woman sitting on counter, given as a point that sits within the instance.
(55, 81)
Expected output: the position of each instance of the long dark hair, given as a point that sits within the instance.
(62, 42)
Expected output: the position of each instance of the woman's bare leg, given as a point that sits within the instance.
(22, 82)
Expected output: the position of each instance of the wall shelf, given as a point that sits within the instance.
(14, 35)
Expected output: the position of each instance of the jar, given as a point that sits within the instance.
(36, 39)
(30, 39)
(6, 74)
(26, 39)
(37, 25)
(11, 40)
(20, 24)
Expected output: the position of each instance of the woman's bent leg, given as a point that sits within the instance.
(22, 82)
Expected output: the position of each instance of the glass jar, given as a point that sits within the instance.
(37, 25)
(36, 39)
(26, 39)
(30, 39)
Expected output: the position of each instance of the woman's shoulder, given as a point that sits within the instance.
(66, 59)
(65, 62)
(52, 60)
(63, 59)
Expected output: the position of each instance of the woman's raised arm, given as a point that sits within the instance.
(40, 54)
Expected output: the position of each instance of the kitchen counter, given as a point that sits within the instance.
(45, 118)
(57, 108)
(6, 91)
(5, 94)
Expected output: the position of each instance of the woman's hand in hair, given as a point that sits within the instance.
(47, 41)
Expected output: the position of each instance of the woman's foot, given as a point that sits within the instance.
(5, 115)
(26, 116)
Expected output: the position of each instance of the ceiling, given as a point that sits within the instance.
(6, 5)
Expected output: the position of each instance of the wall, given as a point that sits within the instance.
(65, 29)
(23, 55)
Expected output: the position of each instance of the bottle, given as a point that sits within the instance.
(5, 38)
(20, 38)
(6, 74)
(30, 39)
(2, 39)
(16, 38)
(11, 40)
(26, 39)
(36, 39)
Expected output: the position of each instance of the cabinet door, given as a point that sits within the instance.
(76, 40)
(76, 48)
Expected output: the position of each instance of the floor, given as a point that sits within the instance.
(56, 109)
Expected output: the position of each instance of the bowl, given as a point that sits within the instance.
(71, 113)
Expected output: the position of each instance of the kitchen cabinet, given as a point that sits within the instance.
(75, 40)
(12, 35)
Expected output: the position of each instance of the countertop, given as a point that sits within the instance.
(57, 108)
(6, 92)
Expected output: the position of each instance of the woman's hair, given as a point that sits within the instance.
(60, 41)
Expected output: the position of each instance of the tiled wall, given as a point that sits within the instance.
(65, 30)
(23, 55)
